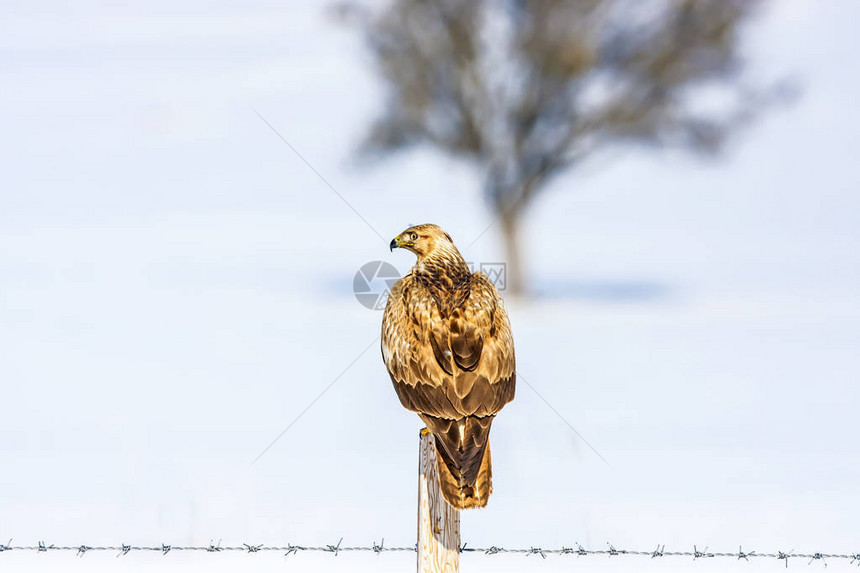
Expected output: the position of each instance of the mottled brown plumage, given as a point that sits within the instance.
(447, 345)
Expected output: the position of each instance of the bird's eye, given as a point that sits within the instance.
(413, 236)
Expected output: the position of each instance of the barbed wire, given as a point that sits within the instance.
(337, 548)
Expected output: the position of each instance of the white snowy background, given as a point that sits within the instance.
(177, 287)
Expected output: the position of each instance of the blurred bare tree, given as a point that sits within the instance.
(526, 89)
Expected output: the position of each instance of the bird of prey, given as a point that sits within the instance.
(447, 345)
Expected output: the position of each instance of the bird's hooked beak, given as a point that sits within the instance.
(395, 243)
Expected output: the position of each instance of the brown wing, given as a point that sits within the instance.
(410, 317)
(450, 366)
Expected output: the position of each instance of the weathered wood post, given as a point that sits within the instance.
(438, 522)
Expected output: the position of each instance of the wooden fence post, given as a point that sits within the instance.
(438, 522)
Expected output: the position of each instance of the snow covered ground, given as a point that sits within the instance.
(177, 288)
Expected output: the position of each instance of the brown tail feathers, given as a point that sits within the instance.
(463, 459)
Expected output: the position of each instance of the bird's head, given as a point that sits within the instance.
(424, 240)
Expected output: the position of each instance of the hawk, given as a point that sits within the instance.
(447, 345)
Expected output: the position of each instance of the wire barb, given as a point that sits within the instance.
(658, 552)
(537, 551)
(252, 548)
(124, 550)
(7, 547)
(334, 548)
(697, 554)
(744, 556)
(379, 548)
